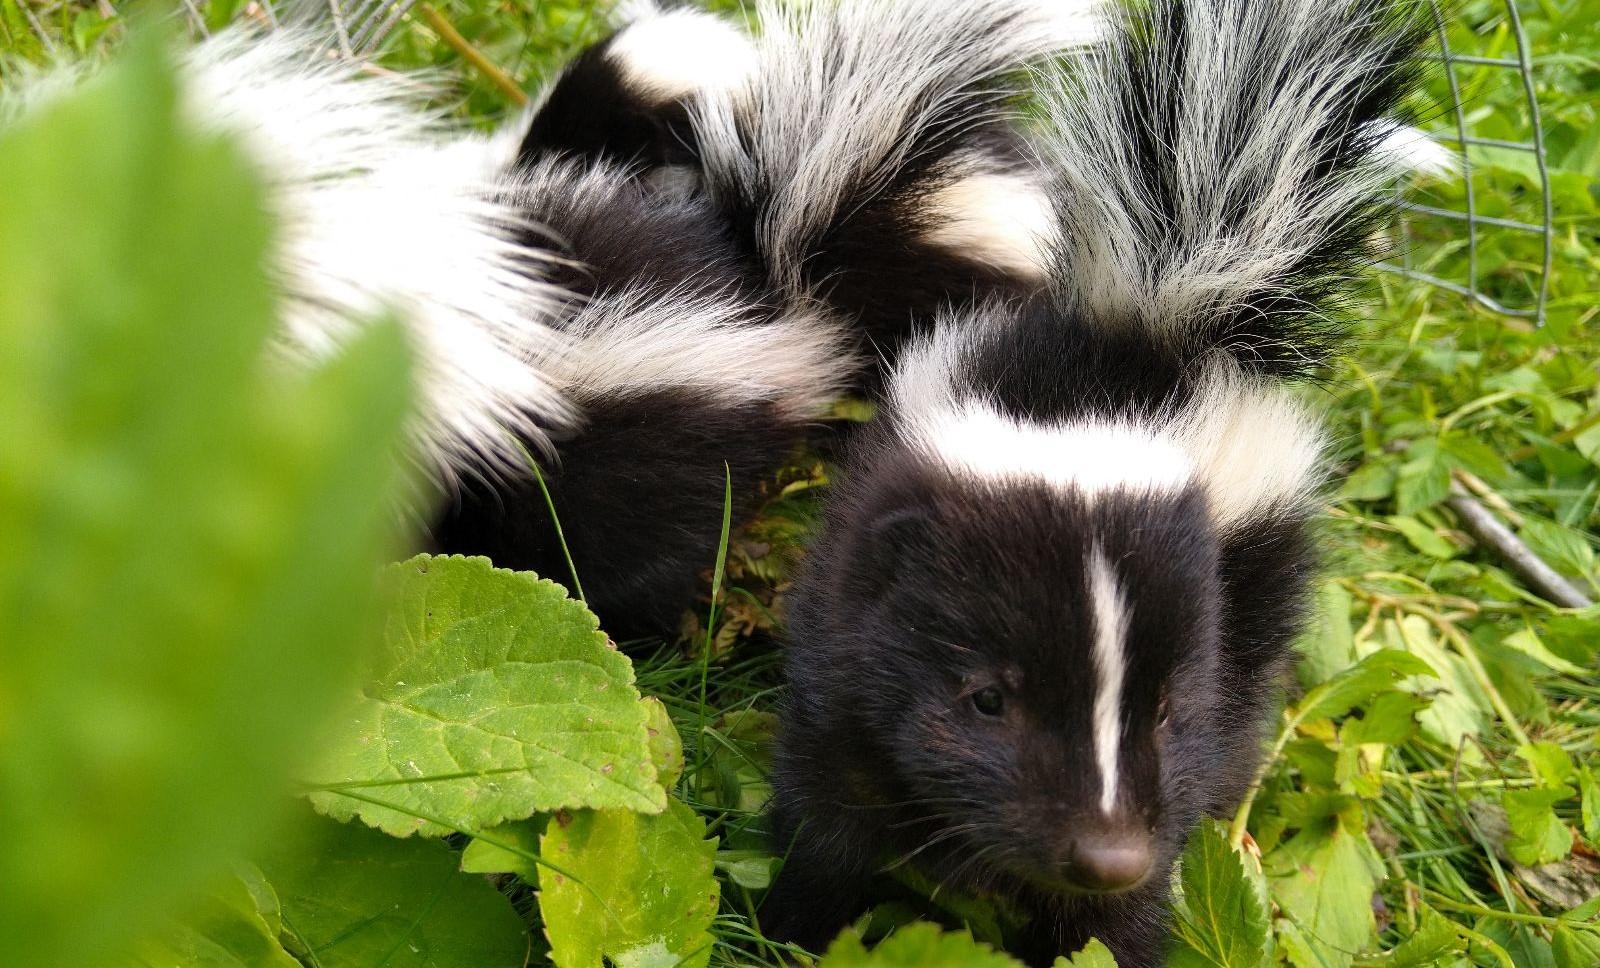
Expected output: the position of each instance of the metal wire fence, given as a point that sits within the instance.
(1472, 223)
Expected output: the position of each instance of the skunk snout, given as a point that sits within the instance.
(1106, 861)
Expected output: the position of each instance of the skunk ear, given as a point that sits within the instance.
(891, 539)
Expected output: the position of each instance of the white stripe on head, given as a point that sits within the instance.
(1110, 664)
(1256, 448)
(1089, 457)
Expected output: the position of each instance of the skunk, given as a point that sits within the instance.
(725, 220)
(1043, 626)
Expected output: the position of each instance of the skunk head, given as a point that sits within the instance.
(1034, 654)
(1023, 610)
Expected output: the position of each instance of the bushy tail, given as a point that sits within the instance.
(382, 209)
(869, 154)
(1221, 165)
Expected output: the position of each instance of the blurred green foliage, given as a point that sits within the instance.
(188, 529)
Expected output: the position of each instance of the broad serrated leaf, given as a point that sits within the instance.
(1220, 918)
(494, 697)
(1574, 948)
(354, 898)
(644, 894)
(1550, 761)
(1435, 940)
(1538, 835)
(1527, 642)
(1359, 683)
(1323, 879)
(1459, 707)
(190, 528)
(227, 929)
(1093, 955)
(917, 946)
(1423, 481)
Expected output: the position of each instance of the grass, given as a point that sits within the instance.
(1487, 815)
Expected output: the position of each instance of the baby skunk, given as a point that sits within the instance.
(726, 205)
(563, 311)
(1044, 624)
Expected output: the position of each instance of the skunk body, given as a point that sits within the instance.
(1043, 625)
(725, 223)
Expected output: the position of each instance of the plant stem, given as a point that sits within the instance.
(451, 36)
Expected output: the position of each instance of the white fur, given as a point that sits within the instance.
(1247, 441)
(840, 89)
(1111, 669)
(1258, 448)
(674, 55)
(1249, 98)
(1088, 458)
(1001, 219)
(380, 210)
(1409, 149)
(720, 347)
(647, 338)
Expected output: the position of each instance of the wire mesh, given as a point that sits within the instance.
(1474, 223)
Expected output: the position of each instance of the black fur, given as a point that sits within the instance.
(639, 494)
(924, 583)
(923, 587)
(592, 112)
(639, 490)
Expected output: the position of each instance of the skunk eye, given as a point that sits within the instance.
(1163, 712)
(988, 701)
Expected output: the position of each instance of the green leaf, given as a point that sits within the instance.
(644, 894)
(666, 747)
(1552, 763)
(1370, 482)
(1329, 647)
(1435, 940)
(493, 698)
(189, 526)
(227, 929)
(1093, 955)
(1359, 684)
(1220, 916)
(1565, 549)
(1459, 707)
(1589, 788)
(748, 868)
(354, 898)
(1324, 879)
(1423, 538)
(1538, 835)
(1575, 949)
(1529, 644)
(920, 945)
(1423, 481)
(507, 849)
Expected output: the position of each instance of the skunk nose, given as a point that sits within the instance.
(1109, 861)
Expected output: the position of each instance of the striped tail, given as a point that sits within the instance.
(1219, 169)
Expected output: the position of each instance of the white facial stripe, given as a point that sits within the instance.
(1110, 663)
(1091, 458)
